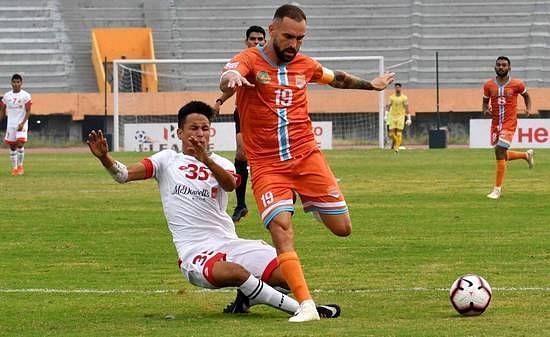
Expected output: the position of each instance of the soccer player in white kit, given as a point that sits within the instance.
(193, 185)
(16, 103)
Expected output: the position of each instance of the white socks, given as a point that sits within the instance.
(20, 156)
(13, 158)
(260, 292)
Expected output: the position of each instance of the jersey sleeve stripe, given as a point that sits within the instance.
(149, 168)
(327, 77)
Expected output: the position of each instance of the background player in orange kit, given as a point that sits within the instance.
(502, 92)
(280, 145)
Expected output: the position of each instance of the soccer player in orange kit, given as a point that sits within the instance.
(283, 156)
(502, 92)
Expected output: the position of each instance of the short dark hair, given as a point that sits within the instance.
(398, 85)
(254, 29)
(17, 77)
(290, 11)
(503, 58)
(194, 107)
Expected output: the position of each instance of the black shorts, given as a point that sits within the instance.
(237, 121)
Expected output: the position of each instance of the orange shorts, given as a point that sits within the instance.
(503, 137)
(308, 176)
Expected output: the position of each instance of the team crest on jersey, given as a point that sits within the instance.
(263, 77)
(301, 81)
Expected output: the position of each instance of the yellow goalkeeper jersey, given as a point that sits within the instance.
(397, 105)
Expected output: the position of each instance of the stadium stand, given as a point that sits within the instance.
(50, 40)
(80, 17)
(33, 43)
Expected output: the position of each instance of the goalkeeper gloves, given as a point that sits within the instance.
(408, 122)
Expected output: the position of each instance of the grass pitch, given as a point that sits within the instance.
(84, 256)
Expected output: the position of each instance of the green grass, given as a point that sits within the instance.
(420, 220)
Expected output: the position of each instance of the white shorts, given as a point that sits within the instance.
(13, 136)
(256, 256)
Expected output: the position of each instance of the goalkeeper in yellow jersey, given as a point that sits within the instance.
(396, 110)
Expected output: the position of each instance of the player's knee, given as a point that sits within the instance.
(343, 230)
(281, 233)
(340, 226)
(281, 229)
(500, 153)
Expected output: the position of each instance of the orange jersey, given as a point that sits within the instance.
(274, 113)
(504, 101)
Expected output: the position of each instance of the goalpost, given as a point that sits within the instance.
(175, 75)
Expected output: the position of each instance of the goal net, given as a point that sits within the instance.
(147, 95)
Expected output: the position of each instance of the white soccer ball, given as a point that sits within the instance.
(470, 295)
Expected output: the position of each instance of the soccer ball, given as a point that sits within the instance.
(470, 295)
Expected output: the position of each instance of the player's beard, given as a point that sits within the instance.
(281, 53)
(501, 72)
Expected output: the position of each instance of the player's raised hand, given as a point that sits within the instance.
(97, 143)
(381, 82)
(235, 80)
(200, 150)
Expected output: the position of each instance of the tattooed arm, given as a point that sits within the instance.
(343, 80)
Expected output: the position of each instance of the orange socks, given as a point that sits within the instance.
(501, 165)
(501, 168)
(294, 276)
(513, 155)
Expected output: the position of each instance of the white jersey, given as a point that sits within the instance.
(16, 104)
(194, 202)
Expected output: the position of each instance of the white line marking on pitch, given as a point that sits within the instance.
(168, 291)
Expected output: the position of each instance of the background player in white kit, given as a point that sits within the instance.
(16, 103)
(193, 187)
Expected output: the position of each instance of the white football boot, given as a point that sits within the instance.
(531, 158)
(306, 312)
(495, 194)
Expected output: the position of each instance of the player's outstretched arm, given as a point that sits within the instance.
(220, 100)
(343, 80)
(224, 178)
(120, 172)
